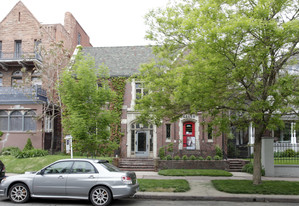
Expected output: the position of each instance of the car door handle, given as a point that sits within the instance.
(60, 177)
(91, 177)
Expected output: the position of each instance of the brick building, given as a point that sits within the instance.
(189, 135)
(24, 90)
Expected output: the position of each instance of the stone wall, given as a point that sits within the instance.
(191, 164)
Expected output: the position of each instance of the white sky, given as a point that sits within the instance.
(107, 22)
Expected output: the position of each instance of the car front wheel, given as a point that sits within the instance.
(19, 193)
(100, 196)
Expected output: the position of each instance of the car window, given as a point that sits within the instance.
(83, 167)
(110, 167)
(59, 168)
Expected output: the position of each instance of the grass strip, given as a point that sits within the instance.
(154, 185)
(266, 188)
(194, 172)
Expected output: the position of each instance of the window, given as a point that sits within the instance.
(36, 78)
(48, 124)
(37, 48)
(18, 49)
(79, 39)
(59, 168)
(168, 133)
(210, 133)
(3, 121)
(83, 167)
(140, 91)
(16, 121)
(30, 121)
(16, 78)
(1, 79)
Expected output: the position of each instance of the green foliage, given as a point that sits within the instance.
(216, 157)
(86, 116)
(28, 145)
(13, 151)
(168, 157)
(1, 133)
(219, 151)
(162, 153)
(170, 147)
(208, 158)
(194, 172)
(177, 157)
(192, 157)
(185, 157)
(286, 153)
(249, 169)
(31, 153)
(200, 158)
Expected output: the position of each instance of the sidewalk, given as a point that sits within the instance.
(202, 189)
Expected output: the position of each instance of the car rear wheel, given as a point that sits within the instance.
(19, 193)
(100, 196)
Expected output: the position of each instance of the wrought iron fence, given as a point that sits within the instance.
(286, 153)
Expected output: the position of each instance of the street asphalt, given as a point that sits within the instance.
(202, 189)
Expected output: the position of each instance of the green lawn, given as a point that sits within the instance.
(282, 161)
(14, 165)
(194, 172)
(267, 187)
(153, 185)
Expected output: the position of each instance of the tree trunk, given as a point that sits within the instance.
(257, 164)
(53, 133)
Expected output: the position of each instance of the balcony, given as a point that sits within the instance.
(23, 59)
(26, 95)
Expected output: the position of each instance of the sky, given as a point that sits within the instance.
(107, 22)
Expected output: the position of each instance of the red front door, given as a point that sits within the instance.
(188, 132)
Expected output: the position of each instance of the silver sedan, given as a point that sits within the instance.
(96, 180)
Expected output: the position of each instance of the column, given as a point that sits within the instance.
(268, 156)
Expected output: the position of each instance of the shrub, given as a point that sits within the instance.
(290, 153)
(185, 157)
(209, 158)
(13, 151)
(249, 169)
(200, 158)
(31, 153)
(177, 157)
(168, 157)
(28, 145)
(192, 157)
(218, 151)
(170, 147)
(162, 153)
(216, 157)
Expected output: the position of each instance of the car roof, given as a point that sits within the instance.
(83, 159)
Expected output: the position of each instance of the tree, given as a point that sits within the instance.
(229, 59)
(86, 116)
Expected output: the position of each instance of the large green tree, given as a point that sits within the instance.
(230, 59)
(85, 96)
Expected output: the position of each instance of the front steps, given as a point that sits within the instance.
(236, 165)
(134, 164)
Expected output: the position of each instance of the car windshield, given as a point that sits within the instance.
(110, 167)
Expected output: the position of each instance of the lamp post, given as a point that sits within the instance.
(69, 145)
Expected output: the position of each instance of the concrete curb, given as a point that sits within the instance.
(217, 198)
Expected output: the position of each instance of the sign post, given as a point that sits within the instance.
(69, 145)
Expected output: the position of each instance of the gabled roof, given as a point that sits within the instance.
(121, 61)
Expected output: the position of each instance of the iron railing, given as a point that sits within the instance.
(23, 93)
(20, 56)
(286, 153)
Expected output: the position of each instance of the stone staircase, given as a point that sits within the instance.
(236, 165)
(134, 164)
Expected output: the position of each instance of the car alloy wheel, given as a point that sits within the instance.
(19, 193)
(100, 196)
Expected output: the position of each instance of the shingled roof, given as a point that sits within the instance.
(121, 61)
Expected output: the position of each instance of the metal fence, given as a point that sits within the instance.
(286, 153)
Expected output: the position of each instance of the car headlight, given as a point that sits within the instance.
(3, 180)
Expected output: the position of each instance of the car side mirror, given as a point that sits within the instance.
(42, 172)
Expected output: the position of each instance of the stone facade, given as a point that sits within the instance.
(21, 37)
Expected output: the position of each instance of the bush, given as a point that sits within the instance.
(32, 153)
(216, 157)
(192, 157)
(219, 151)
(28, 145)
(290, 153)
(168, 157)
(13, 151)
(185, 157)
(176, 157)
(249, 169)
(209, 158)
(162, 153)
(200, 158)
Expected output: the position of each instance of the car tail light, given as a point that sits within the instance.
(127, 180)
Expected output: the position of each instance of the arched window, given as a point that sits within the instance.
(16, 78)
(3, 121)
(30, 121)
(16, 121)
(36, 78)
